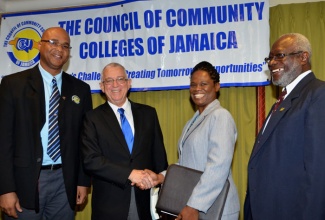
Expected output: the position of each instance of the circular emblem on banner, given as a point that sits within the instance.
(22, 43)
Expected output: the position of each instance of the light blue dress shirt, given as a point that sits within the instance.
(47, 80)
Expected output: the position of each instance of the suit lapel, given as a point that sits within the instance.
(192, 125)
(66, 92)
(278, 115)
(113, 125)
(138, 121)
(37, 96)
(272, 123)
(198, 119)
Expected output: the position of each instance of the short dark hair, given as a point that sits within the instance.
(209, 68)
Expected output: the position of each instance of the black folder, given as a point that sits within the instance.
(177, 189)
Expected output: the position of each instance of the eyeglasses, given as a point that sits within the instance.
(280, 56)
(119, 80)
(55, 43)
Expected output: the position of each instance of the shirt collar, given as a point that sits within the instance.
(126, 106)
(293, 84)
(47, 77)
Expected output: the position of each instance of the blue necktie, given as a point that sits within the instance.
(53, 148)
(126, 129)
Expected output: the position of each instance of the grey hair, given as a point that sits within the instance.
(301, 43)
(112, 65)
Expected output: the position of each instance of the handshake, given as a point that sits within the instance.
(145, 179)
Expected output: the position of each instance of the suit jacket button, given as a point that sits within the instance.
(39, 160)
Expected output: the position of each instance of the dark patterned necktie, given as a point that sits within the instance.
(126, 129)
(280, 99)
(53, 148)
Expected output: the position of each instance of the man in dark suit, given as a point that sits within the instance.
(33, 184)
(115, 166)
(286, 178)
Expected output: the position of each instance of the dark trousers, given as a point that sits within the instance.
(133, 212)
(54, 203)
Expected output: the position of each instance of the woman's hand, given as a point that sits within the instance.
(188, 213)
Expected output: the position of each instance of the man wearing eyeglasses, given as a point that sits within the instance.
(286, 178)
(40, 119)
(120, 140)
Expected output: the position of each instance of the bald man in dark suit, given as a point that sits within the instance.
(286, 175)
(33, 185)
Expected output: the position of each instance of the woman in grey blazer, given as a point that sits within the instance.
(207, 144)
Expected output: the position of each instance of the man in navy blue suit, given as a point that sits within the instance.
(286, 178)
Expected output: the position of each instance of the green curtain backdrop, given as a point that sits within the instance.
(174, 109)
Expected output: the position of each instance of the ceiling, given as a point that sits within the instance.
(9, 6)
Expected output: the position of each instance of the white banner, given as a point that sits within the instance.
(158, 42)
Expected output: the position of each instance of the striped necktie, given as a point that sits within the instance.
(126, 129)
(53, 148)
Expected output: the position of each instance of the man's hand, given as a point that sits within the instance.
(188, 213)
(156, 178)
(9, 204)
(141, 179)
(82, 193)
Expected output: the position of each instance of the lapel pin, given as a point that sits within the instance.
(75, 99)
(282, 109)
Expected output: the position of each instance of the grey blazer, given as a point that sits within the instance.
(207, 144)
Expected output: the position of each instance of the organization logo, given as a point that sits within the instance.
(21, 43)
